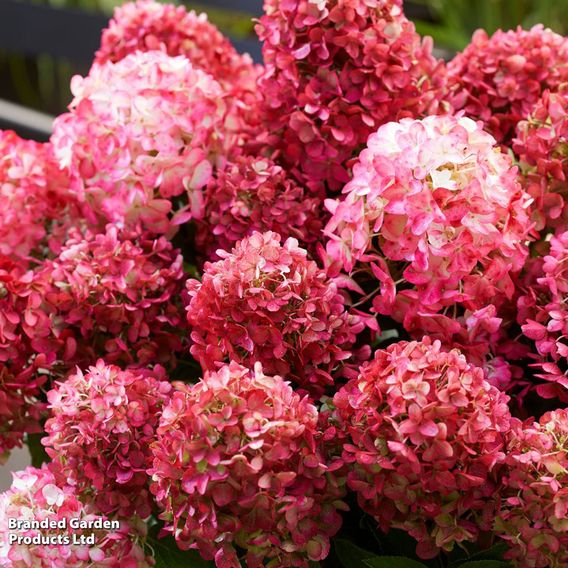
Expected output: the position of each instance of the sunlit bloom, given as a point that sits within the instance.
(142, 134)
(435, 216)
(238, 461)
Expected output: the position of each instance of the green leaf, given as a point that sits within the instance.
(37, 451)
(485, 564)
(168, 555)
(393, 562)
(350, 555)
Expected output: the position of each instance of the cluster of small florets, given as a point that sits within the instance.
(499, 79)
(542, 148)
(253, 194)
(36, 496)
(36, 204)
(119, 293)
(99, 433)
(533, 515)
(544, 317)
(252, 473)
(141, 132)
(336, 71)
(425, 433)
(266, 301)
(435, 206)
(146, 25)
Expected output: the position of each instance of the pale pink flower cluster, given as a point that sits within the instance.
(254, 194)
(147, 25)
(35, 495)
(336, 71)
(99, 433)
(435, 212)
(499, 79)
(533, 515)
(238, 462)
(266, 301)
(424, 437)
(542, 147)
(36, 204)
(142, 134)
(543, 317)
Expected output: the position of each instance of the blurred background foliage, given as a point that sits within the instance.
(43, 82)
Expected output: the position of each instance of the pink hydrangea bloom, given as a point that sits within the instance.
(425, 433)
(238, 462)
(36, 204)
(99, 433)
(105, 294)
(335, 71)
(35, 495)
(533, 516)
(265, 301)
(435, 215)
(147, 25)
(253, 194)
(543, 317)
(542, 147)
(499, 79)
(120, 295)
(142, 133)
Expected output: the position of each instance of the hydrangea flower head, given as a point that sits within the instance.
(36, 204)
(35, 495)
(336, 71)
(425, 433)
(99, 433)
(140, 133)
(543, 317)
(533, 516)
(238, 462)
(254, 194)
(119, 292)
(435, 212)
(542, 147)
(499, 79)
(147, 25)
(266, 301)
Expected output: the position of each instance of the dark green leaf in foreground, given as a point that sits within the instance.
(168, 555)
(393, 562)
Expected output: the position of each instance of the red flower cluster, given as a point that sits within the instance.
(238, 462)
(36, 204)
(544, 317)
(542, 147)
(99, 434)
(265, 301)
(499, 79)
(425, 433)
(253, 194)
(533, 516)
(336, 71)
